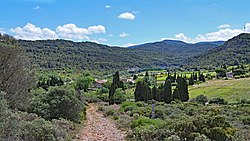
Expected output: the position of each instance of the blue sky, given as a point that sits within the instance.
(125, 22)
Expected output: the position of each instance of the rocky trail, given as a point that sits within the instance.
(99, 128)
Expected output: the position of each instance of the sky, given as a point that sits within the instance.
(125, 22)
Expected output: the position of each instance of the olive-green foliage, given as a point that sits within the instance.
(59, 102)
(200, 99)
(146, 129)
(190, 121)
(23, 126)
(83, 83)
(218, 101)
(119, 96)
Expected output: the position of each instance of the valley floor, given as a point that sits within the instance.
(99, 128)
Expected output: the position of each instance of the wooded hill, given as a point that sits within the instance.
(93, 56)
(233, 52)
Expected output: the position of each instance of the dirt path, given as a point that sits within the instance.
(99, 128)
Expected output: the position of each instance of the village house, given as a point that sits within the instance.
(99, 83)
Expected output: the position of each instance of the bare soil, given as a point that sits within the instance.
(99, 128)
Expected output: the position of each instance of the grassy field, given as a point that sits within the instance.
(231, 90)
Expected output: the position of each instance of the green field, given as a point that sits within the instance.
(231, 90)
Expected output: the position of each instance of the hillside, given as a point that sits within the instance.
(90, 56)
(93, 56)
(179, 49)
(233, 52)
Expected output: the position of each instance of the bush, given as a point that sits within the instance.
(246, 120)
(146, 129)
(21, 126)
(41, 130)
(202, 99)
(59, 102)
(91, 97)
(218, 101)
(119, 96)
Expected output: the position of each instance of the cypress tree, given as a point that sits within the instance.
(176, 94)
(154, 92)
(111, 94)
(146, 78)
(191, 80)
(183, 89)
(167, 91)
(202, 78)
(138, 91)
(116, 84)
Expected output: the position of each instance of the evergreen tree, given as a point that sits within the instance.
(183, 89)
(111, 94)
(167, 91)
(202, 78)
(138, 91)
(176, 94)
(116, 84)
(146, 78)
(191, 80)
(154, 92)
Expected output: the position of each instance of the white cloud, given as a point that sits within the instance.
(220, 35)
(67, 31)
(37, 7)
(97, 29)
(127, 16)
(31, 32)
(107, 6)
(224, 26)
(71, 31)
(123, 35)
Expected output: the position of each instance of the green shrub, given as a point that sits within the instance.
(246, 120)
(119, 96)
(59, 102)
(202, 99)
(41, 130)
(218, 101)
(91, 97)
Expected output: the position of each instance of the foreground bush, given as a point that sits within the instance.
(59, 102)
(20, 126)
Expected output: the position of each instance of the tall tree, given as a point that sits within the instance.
(154, 92)
(138, 91)
(167, 91)
(116, 84)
